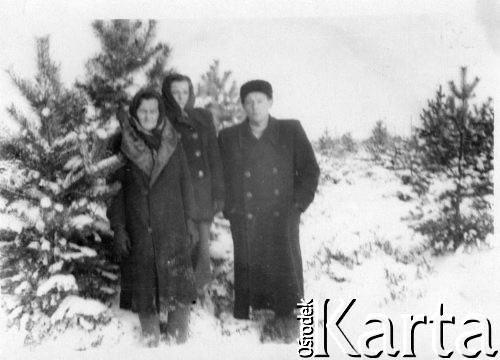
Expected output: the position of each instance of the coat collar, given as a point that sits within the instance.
(185, 119)
(271, 133)
(150, 162)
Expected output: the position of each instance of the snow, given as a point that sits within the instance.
(56, 267)
(11, 222)
(84, 250)
(22, 288)
(80, 221)
(71, 137)
(40, 225)
(356, 244)
(45, 244)
(221, 247)
(101, 133)
(45, 112)
(52, 186)
(74, 163)
(25, 209)
(58, 281)
(74, 305)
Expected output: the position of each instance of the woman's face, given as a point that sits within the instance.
(148, 113)
(180, 92)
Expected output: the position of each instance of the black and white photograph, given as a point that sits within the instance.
(249, 179)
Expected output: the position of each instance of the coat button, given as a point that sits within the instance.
(150, 231)
(276, 192)
(247, 174)
(201, 174)
(249, 195)
(275, 170)
(249, 216)
(197, 153)
(195, 135)
(276, 213)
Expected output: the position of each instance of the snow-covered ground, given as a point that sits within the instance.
(356, 244)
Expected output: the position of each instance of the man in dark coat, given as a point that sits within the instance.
(271, 176)
(199, 141)
(150, 216)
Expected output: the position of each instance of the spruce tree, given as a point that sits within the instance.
(455, 146)
(129, 58)
(219, 94)
(58, 164)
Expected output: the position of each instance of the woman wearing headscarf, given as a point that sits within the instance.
(198, 137)
(150, 217)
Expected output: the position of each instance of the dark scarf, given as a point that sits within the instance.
(135, 148)
(151, 138)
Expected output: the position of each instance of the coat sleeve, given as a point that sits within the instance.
(190, 209)
(116, 209)
(214, 160)
(306, 169)
(225, 171)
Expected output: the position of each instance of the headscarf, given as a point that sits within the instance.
(135, 139)
(174, 111)
(152, 138)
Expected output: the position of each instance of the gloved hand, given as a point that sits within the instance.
(218, 206)
(193, 234)
(121, 244)
(122, 112)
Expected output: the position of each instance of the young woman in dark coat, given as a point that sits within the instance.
(198, 138)
(150, 219)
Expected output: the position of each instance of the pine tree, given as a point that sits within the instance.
(455, 144)
(58, 188)
(129, 56)
(348, 143)
(220, 95)
(326, 143)
(379, 141)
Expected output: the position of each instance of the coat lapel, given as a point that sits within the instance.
(134, 148)
(167, 148)
(271, 134)
(150, 162)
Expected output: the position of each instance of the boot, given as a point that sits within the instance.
(291, 329)
(150, 325)
(178, 324)
(281, 329)
(201, 258)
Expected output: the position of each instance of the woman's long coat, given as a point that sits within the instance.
(199, 140)
(269, 181)
(153, 205)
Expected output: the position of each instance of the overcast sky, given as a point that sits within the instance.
(340, 65)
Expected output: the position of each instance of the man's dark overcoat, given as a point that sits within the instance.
(269, 182)
(153, 205)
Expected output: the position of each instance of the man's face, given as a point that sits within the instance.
(257, 106)
(148, 114)
(180, 92)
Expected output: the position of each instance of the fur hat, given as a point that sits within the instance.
(256, 85)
